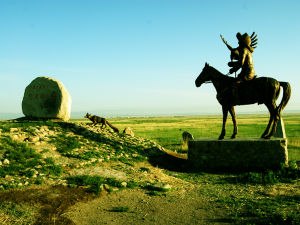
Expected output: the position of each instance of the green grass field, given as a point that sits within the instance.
(268, 197)
(167, 131)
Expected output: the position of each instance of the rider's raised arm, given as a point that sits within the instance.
(238, 64)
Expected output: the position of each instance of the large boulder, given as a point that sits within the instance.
(46, 98)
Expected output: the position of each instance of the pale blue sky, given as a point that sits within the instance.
(138, 56)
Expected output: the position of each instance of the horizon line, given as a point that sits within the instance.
(79, 115)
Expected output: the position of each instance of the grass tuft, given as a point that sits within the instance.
(120, 209)
(66, 144)
(95, 183)
(284, 175)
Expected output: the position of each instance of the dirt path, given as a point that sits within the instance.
(185, 203)
(175, 208)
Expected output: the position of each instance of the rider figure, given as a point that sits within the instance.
(245, 60)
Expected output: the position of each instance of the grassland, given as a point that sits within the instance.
(167, 131)
(69, 160)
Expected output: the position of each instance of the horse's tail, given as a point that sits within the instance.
(285, 97)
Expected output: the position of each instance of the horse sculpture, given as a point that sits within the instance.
(262, 90)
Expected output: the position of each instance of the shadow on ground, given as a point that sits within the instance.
(52, 201)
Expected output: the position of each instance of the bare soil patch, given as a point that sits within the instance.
(51, 202)
(183, 207)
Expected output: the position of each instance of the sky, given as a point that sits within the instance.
(138, 57)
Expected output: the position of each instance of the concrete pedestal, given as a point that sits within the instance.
(238, 154)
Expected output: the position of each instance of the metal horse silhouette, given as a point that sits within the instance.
(262, 90)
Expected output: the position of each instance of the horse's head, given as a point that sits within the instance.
(204, 76)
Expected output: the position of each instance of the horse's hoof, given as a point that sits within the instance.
(266, 137)
(233, 136)
(221, 137)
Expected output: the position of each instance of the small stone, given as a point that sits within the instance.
(13, 129)
(124, 184)
(26, 183)
(34, 138)
(93, 160)
(16, 136)
(6, 162)
(101, 187)
(0, 163)
(162, 187)
(106, 186)
(115, 189)
(128, 131)
(20, 184)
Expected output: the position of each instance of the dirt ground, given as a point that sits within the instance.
(177, 208)
(183, 204)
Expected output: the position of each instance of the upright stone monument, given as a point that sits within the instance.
(46, 98)
(186, 137)
(280, 131)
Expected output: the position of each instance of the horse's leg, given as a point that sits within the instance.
(235, 130)
(271, 107)
(225, 113)
(274, 126)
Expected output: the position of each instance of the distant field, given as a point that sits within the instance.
(167, 130)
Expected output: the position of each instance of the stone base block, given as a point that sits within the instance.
(238, 154)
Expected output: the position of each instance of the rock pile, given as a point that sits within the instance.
(72, 147)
